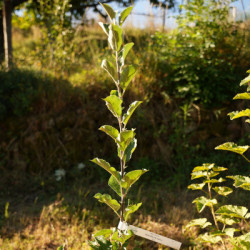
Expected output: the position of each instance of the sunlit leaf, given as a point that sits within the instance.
(115, 185)
(223, 190)
(109, 68)
(109, 130)
(124, 139)
(242, 96)
(237, 114)
(231, 146)
(127, 75)
(131, 209)
(200, 174)
(131, 109)
(122, 237)
(196, 186)
(105, 27)
(202, 223)
(204, 167)
(129, 150)
(111, 13)
(107, 167)
(126, 48)
(243, 241)
(207, 238)
(214, 180)
(245, 80)
(114, 104)
(104, 232)
(115, 37)
(241, 181)
(107, 199)
(227, 220)
(230, 232)
(232, 211)
(202, 202)
(131, 177)
(124, 14)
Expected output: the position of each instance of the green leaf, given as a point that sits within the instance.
(215, 180)
(245, 80)
(243, 96)
(241, 181)
(124, 14)
(200, 174)
(244, 241)
(232, 211)
(127, 75)
(115, 37)
(126, 48)
(131, 109)
(124, 139)
(131, 209)
(223, 190)
(104, 232)
(109, 10)
(202, 202)
(109, 130)
(204, 167)
(107, 167)
(115, 185)
(227, 220)
(131, 177)
(196, 186)
(107, 199)
(105, 27)
(129, 150)
(202, 223)
(231, 146)
(123, 237)
(207, 238)
(230, 232)
(114, 104)
(218, 169)
(110, 68)
(237, 114)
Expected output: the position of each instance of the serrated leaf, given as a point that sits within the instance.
(124, 139)
(126, 48)
(200, 174)
(105, 27)
(227, 220)
(206, 238)
(107, 199)
(114, 104)
(243, 96)
(223, 190)
(202, 202)
(237, 114)
(232, 211)
(245, 80)
(115, 185)
(131, 109)
(202, 223)
(109, 68)
(131, 209)
(102, 163)
(127, 75)
(214, 180)
(241, 181)
(104, 232)
(231, 146)
(204, 167)
(109, 130)
(196, 186)
(115, 37)
(131, 177)
(123, 237)
(124, 14)
(109, 10)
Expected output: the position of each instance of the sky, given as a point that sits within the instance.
(144, 7)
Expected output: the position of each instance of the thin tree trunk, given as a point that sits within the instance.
(7, 9)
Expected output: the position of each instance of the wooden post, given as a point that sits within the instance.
(7, 10)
